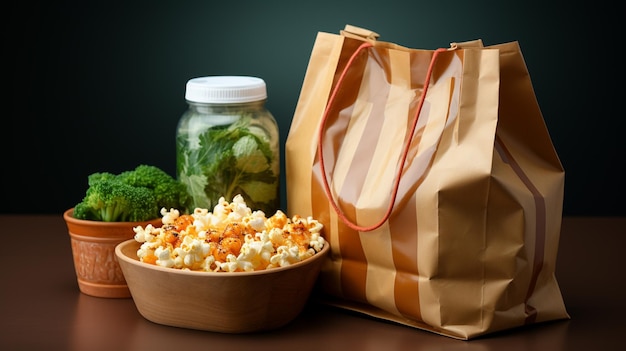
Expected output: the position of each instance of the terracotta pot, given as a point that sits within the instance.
(93, 247)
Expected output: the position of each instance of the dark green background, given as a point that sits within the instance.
(99, 85)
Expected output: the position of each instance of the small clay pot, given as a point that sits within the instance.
(93, 247)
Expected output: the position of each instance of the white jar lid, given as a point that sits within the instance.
(225, 89)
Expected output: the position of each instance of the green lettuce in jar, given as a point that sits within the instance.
(223, 157)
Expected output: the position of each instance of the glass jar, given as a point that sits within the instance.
(227, 143)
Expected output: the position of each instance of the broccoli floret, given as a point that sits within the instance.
(170, 195)
(135, 195)
(96, 177)
(145, 176)
(169, 192)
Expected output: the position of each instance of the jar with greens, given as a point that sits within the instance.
(227, 143)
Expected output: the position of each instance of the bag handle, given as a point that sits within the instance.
(403, 157)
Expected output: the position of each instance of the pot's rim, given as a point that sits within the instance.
(69, 218)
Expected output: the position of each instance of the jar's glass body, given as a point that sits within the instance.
(223, 150)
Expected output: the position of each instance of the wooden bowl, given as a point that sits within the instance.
(227, 302)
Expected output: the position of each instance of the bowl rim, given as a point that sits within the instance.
(118, 252)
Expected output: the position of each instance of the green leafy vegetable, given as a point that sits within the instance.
(229, 160)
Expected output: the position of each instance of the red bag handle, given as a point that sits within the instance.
(403, 157)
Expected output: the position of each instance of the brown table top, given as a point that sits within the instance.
(42, 308)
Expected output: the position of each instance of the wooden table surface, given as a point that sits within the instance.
(42, 308)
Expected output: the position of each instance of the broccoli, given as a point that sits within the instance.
(169, 192)
(134, 195)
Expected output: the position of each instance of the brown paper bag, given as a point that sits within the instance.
(437, 182)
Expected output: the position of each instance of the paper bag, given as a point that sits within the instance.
(436, 180)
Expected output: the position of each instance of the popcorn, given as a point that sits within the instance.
(232, 238)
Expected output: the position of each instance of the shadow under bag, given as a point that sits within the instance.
(436, 180)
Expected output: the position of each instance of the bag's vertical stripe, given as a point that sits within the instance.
(403, 223)
(431, 123)
(355, 158)
(540, 226)
(406, 293)
(353, 273)
(331, 48)
(342, 139)
(392, 92)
